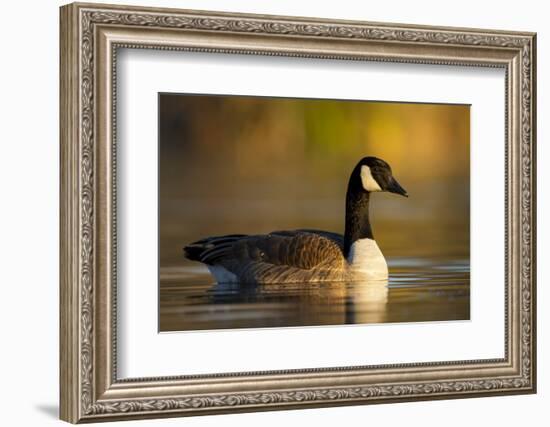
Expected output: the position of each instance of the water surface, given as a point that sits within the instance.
(418, 290)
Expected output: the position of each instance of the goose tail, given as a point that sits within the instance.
(202, 250)
(193, 252)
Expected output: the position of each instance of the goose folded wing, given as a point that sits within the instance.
(301, 249)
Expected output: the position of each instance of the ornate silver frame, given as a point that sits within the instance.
(90, 36)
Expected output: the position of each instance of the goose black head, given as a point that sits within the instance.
(375, 174)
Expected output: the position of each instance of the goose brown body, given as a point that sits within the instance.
(306, 255)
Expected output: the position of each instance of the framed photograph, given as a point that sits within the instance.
(265, 212)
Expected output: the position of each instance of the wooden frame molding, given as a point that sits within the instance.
(90, 37)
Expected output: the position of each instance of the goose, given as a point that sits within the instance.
(307, 255)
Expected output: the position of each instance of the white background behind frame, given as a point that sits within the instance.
(142, 352)
(29, 171)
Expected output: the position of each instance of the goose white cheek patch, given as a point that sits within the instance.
(369, 183)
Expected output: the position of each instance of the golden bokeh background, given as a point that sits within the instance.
(234, 164)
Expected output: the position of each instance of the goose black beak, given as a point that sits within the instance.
(394, 187)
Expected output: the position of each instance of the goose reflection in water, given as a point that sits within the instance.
(328, 303)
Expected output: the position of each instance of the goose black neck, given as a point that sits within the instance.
(357, 216)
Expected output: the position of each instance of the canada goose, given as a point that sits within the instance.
(307, 255)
